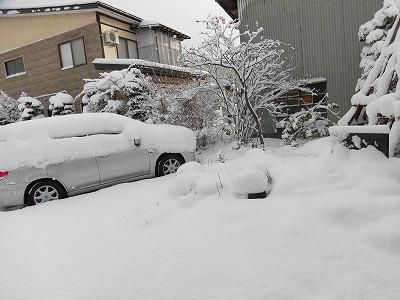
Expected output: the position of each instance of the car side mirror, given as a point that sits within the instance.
(137, 142)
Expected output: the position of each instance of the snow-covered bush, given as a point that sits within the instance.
(309, 123)
(8, 109)
(191, 105)
(29, 108)
(248, 73)
(381, 82)
(374, 34)
(125, 92)
(61, 104)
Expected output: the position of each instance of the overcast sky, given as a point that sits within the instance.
(181, 14)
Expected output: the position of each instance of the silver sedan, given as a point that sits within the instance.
(30, 185)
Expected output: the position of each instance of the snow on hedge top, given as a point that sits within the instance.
(41, 142)
(145, 63)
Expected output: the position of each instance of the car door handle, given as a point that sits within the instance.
(104, 156)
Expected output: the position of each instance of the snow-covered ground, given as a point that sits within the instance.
(329, 230)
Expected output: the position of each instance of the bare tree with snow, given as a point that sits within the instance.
(249, 72)
(8, 109)
(192, 105)
(29, 108)
(61, 104)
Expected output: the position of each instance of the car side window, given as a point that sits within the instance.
(81, 134)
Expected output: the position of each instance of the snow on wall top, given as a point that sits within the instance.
(341, 131)
(143, 63)
(41, 142)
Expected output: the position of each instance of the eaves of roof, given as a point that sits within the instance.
(230, 6)
(162, 27)
(73, 8)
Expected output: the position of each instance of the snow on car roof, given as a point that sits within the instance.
(40, 142)
(66, 126)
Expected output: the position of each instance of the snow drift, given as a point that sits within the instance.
(329, 230)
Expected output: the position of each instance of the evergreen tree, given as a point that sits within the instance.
(8, 109)
(125, 92)
(61, 104)
(29, 108)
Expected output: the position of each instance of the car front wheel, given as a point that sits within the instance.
(169, 164)
(45, 191)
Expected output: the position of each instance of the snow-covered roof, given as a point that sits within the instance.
(119, 63)
(24, 4)
(157, 25)
(23, 7)
(315, 80)
(29, 7)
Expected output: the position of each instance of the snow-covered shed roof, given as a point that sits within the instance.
(146, 66)
(315, 80)
(157, 25)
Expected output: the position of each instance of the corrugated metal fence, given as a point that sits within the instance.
(323, 33)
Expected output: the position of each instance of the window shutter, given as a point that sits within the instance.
(66, 56)
(133, 49)
(78, 52)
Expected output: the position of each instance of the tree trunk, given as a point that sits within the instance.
(256, 118)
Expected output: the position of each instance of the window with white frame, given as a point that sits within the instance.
(127, 48)
(72, 53)
(15, 67)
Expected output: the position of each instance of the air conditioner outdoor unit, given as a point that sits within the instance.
(111, 38)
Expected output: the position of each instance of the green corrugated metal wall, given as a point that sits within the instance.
(323, 33)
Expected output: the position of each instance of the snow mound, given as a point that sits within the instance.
(207, 185)
(329, 230)
(239, 177)
(385, 105)
(192, 167)
(250, 181)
